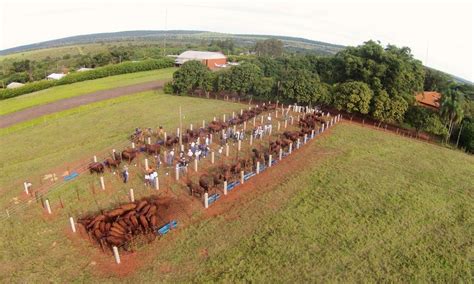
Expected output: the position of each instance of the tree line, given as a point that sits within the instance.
(380, 82)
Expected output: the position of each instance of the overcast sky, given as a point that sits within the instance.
(439, 32)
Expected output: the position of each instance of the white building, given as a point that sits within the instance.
(82, 69)
(14, 85)
(55, 76)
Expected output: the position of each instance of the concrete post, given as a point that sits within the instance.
(239, 145)
(48, 207)
(257, 170)
(195, 165)
(133, 145)
(177, 173)
(113, 153)
(251, 138)
(212, 157)
(146, 164)
(278, 126)
(203, 123)
(298, 143)
(165, 136)
(241, 111)
(269, 160)
(312, 134)
(157, 183)
(25, 185)
(286, 123)
(223, 117)
(214, 119)
(206, 200)
(210, 138)
(233, 114)
(191, 127)
(242, 179)
(305, 138)
(291, 148)
(73, 225)
(261, 119)
(95, 159)
(280, 154)
(245, 125)
(292, 120)
(102, 183)
(116, 254)
(254, 121)
(227, 150)
(149, 140)
(225, 187)
(132, 195)
(276, 113)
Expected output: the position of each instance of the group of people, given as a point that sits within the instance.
(150, 177)
(231, 134)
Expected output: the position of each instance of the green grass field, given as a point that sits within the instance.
(366, 206)
(81, 88)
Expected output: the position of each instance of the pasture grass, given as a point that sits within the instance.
(81, 88)
(367, 206)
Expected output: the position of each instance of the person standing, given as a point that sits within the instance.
(125, 174)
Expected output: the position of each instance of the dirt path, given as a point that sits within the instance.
(37, 111)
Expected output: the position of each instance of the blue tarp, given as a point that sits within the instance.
(213, 198)
(166, 228)
(71, 176)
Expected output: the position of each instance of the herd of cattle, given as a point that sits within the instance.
(119, 226)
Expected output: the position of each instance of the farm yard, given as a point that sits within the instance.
(323, 190)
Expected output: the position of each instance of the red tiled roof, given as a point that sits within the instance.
(429, 99)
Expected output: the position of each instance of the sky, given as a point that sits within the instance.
(440, 33)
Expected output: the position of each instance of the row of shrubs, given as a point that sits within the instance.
(101, 72)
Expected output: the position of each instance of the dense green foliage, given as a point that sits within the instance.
(352, 96)
(192, 75)
(109, 70)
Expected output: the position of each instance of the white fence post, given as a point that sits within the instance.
(149, 140)
(25, 185)
(257, 170)
(280, 155)
(286, 123)
(132, 195)
(245, 125)
(157, 183)
(225, 187)
(298, 143)
(48, 206)
(206, 200)
(227, 150)
(242, 177)
(291, 148)
(239, 145)
(191, 127)
(177, 173)
(146, 164)
(312, 134)
(73, 225)
(278, 126)
(269, 160)
(251, 138)
(102, 183)
(195, 165)
(203, 123)
(95, 159)
(212, 157)
(133, 145)
(116, 254)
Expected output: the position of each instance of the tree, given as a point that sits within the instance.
(264, 88)
(299, 85)
(435, 80)
(243, 77)
(353, 96)
(417, 116)
(452, 107)
(191, 76)
(269, 47)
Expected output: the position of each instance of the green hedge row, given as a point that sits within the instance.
(101, 72)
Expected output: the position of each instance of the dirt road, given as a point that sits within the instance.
(37, 111)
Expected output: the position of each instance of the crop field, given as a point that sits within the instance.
(81, 88)
(355, 204)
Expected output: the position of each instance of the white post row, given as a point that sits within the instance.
(225, 187)
(116, 254)
(73, 225)
(48, 206)
(206, 200)
(132, 195)
(102, 183)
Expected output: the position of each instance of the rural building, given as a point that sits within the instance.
(429, 99)
(211, 59)
(14, 85)
(55, 76)
(82, 69)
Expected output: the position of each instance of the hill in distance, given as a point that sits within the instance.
(182, 36)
